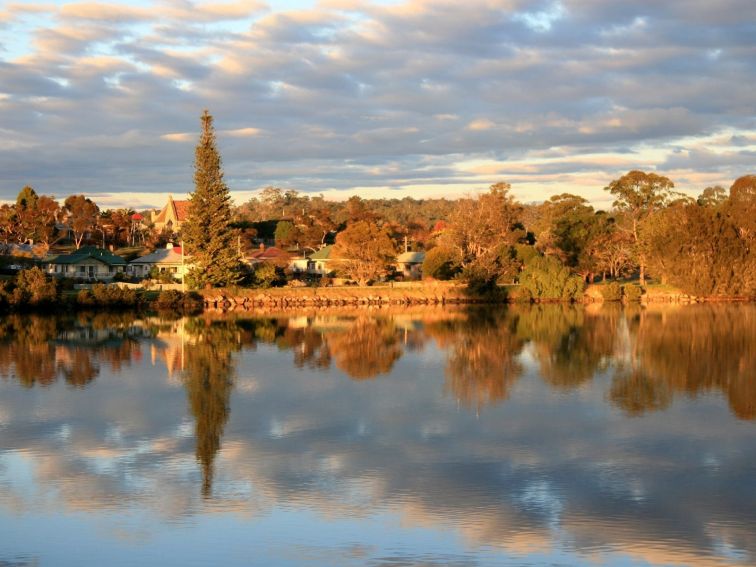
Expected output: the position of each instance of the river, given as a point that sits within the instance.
(544, 435)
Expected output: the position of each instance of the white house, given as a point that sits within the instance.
(169, 259)
(410, 264)
(87, 263)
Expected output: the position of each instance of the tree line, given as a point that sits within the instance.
(704, 245)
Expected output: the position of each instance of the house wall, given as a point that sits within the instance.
(85, 269)
(412, 271)
(143, 269)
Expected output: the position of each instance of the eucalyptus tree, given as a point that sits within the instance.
(640, 195)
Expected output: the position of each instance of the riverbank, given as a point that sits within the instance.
(414, 293)
(420, 293)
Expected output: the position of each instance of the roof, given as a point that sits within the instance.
(162, 256)
(179, 210)
(322, 254)
(271, 253)
(411, 258)
(86, 252)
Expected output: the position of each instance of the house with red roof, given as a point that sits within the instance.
(272, 255)
(173, 215)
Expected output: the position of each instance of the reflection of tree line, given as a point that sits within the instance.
(38, 350)
(652, 355)
(689, 351)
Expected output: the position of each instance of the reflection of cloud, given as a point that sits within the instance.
(547, 471)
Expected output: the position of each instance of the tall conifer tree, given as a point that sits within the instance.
(208, 236)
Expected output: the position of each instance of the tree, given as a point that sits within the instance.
(702, 250)
(208, 235)
(318, 224)
(27, 198)
(483, 232)
(34, 218)
(365, 250)
(439, 264)
(712, 196)
(640, 195)
(546, 278)
(286, 234)
(82, 216)
(742, 208)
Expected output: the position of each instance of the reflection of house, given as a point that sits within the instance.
(89, 262)
(169, 259)
(270, 255)
(172, 216)
(410, 264)
(169, 346)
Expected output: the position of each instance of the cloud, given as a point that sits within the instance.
(481, 124)
(401, 83)
(243, 132)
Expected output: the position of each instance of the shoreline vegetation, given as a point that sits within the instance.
(32, 290)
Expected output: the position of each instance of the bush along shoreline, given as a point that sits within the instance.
(33, 290)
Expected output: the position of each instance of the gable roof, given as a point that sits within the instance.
(322, 254)
(178, 210)
(162, 256)
(87, 252)
(271, 253)
(182, 209)
(411, 258)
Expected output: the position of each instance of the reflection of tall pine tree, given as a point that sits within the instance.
(208, 377)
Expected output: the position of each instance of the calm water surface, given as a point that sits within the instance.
(521, 436)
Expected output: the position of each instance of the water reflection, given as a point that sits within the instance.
(208, 377)
(534, 435)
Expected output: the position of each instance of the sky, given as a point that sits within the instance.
(421, 98)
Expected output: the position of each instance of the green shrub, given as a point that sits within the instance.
(632, 292)
(31, 288)
(164, 277)
(611, 291)
(525, 253)
(190, 302)
(546, 278)
(265, 275)
(101, 295)
(440, 264)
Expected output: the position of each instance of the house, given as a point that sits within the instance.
(169, 259)
(173, 215)
(319, 263)
(410, 264)
(271, 255)
(87, 263)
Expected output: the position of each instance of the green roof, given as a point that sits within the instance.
(322, 254)
(411, 258)
(87, 252)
